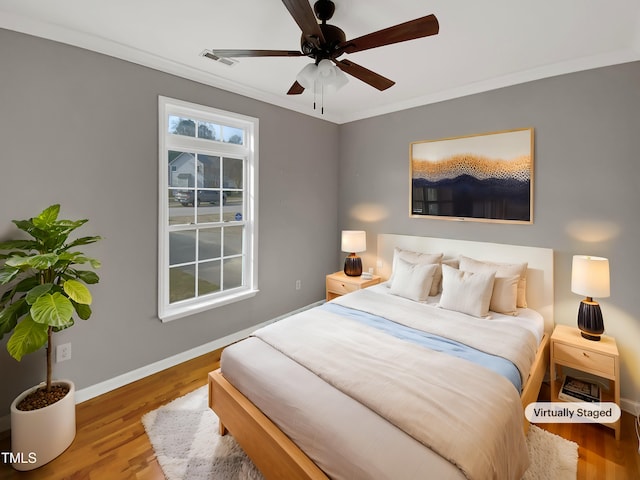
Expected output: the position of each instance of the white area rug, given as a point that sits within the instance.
(184, 435)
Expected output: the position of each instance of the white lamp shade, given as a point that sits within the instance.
(590, 276)
(325, 76)
(332, 78)
(354, 241)
(307, 76)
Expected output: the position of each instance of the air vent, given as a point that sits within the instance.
(229, 62)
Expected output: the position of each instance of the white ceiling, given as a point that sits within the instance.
(481, 45)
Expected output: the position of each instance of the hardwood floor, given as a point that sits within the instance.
(600, 456)
(111, 443)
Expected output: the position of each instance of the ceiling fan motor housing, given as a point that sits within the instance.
(333, 37)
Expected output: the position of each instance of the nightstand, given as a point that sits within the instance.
(569, 349)
(338, 284)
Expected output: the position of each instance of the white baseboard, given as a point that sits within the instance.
(87, 393)
(630, 406)
(93, 391)
(106, 386)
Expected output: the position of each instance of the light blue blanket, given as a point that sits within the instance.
(434, 342)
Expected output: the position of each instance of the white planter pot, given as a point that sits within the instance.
(39, 436)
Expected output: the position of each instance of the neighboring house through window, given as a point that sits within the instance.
(207, 215)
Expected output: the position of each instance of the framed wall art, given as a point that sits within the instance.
(487, 177)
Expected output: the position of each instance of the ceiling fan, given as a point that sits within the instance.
(322, 41)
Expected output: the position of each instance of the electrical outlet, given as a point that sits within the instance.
(63, 352)
(298, 284)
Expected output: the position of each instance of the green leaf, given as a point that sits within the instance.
(17, 262)
(25, 225)
(9, 315)
(26, 284)
(52, 310)
(39, 262)
(22, 286)
(83, 241)
(6, 296)
(83, 311)
(71, 225)
(28, 337)
(48, 216)
(70, 256)
(19, 244)
(77, 292)
(8, 273)
(77, 258)
(44, 261)
(68, 325)
(86, 276)
(37, 291)
(6, 327)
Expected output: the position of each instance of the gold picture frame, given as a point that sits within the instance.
(484, 178)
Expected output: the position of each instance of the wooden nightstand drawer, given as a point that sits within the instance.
(586, 359)
(336, 286)
(339, 284)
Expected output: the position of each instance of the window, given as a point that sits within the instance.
(207, 220)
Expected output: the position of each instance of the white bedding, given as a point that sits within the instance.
(279, 385)
(432, 396)
(347, 440)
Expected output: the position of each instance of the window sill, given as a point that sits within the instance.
(175, 312)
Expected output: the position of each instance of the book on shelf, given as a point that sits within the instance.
(578, 390)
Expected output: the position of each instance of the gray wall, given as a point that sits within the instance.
(587, 182)
(80, 129)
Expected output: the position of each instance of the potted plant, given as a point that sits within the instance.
(43, 292)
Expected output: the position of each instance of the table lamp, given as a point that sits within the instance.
(590, 277)
(353, 241)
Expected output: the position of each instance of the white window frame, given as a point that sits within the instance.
(249, 152)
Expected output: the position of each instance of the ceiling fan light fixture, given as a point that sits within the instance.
(332, 78)
(307, 76)
(325, 77)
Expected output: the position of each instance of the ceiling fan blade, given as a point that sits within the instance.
(256, 53)
(418, 28)
(302, 13)
(367, 76)
(296, 89)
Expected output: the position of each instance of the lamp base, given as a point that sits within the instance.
(590, 320)
(353, 265)
(594, 338)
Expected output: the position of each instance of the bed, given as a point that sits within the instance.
(348, 390)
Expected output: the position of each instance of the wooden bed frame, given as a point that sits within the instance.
(278, 457)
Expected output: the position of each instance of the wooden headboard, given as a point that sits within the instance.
(539, 273)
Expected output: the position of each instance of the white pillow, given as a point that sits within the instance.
(417, 257)
(413, 280)
(504, 295)
(453, 263)
(502, 270)
(466, 292)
